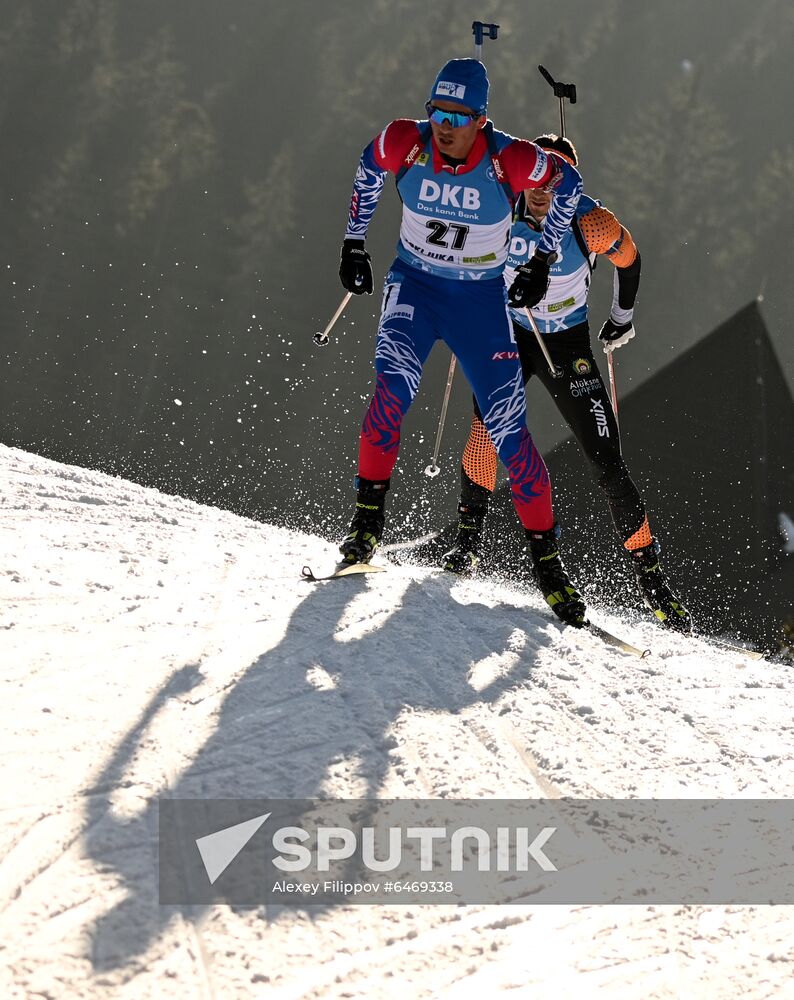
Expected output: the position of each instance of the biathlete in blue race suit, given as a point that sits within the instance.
(458, 179)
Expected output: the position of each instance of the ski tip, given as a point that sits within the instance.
(733, 647)
(343, 569)
(348, 569)
(616, 641)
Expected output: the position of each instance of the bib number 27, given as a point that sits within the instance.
(439, 231)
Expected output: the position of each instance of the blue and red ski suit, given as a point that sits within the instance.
(446, 283)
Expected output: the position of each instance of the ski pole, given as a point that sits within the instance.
(479, 30)
(613, 392)
(554, 370)
(433, 469)
(563, 90)
(321, 339)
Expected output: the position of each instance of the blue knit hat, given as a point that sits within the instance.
(464, 82)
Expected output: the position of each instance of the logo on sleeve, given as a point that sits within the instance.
(541, 165)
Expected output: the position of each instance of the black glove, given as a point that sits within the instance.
(532, 282)
(355, 270)
(615, 335)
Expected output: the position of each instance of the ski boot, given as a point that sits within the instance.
(464, 555)
(654, 590)
(366, 528)
(553, 580)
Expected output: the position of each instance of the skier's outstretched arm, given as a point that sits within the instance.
(385, 153)
(605, 235)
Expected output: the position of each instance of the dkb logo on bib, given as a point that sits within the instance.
(454, 195)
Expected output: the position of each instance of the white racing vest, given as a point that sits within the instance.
(565, 303)
(455, 225)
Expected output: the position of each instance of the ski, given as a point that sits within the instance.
(345, 569)
(616, 641)
(350, 569)
(732, 647)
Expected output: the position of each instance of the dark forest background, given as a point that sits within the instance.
(175, 178)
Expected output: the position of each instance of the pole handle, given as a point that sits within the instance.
(561, 90)
(478, 29)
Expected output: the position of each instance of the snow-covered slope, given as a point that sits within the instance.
(149, 644)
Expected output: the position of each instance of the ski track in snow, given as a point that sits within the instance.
(150, 645)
